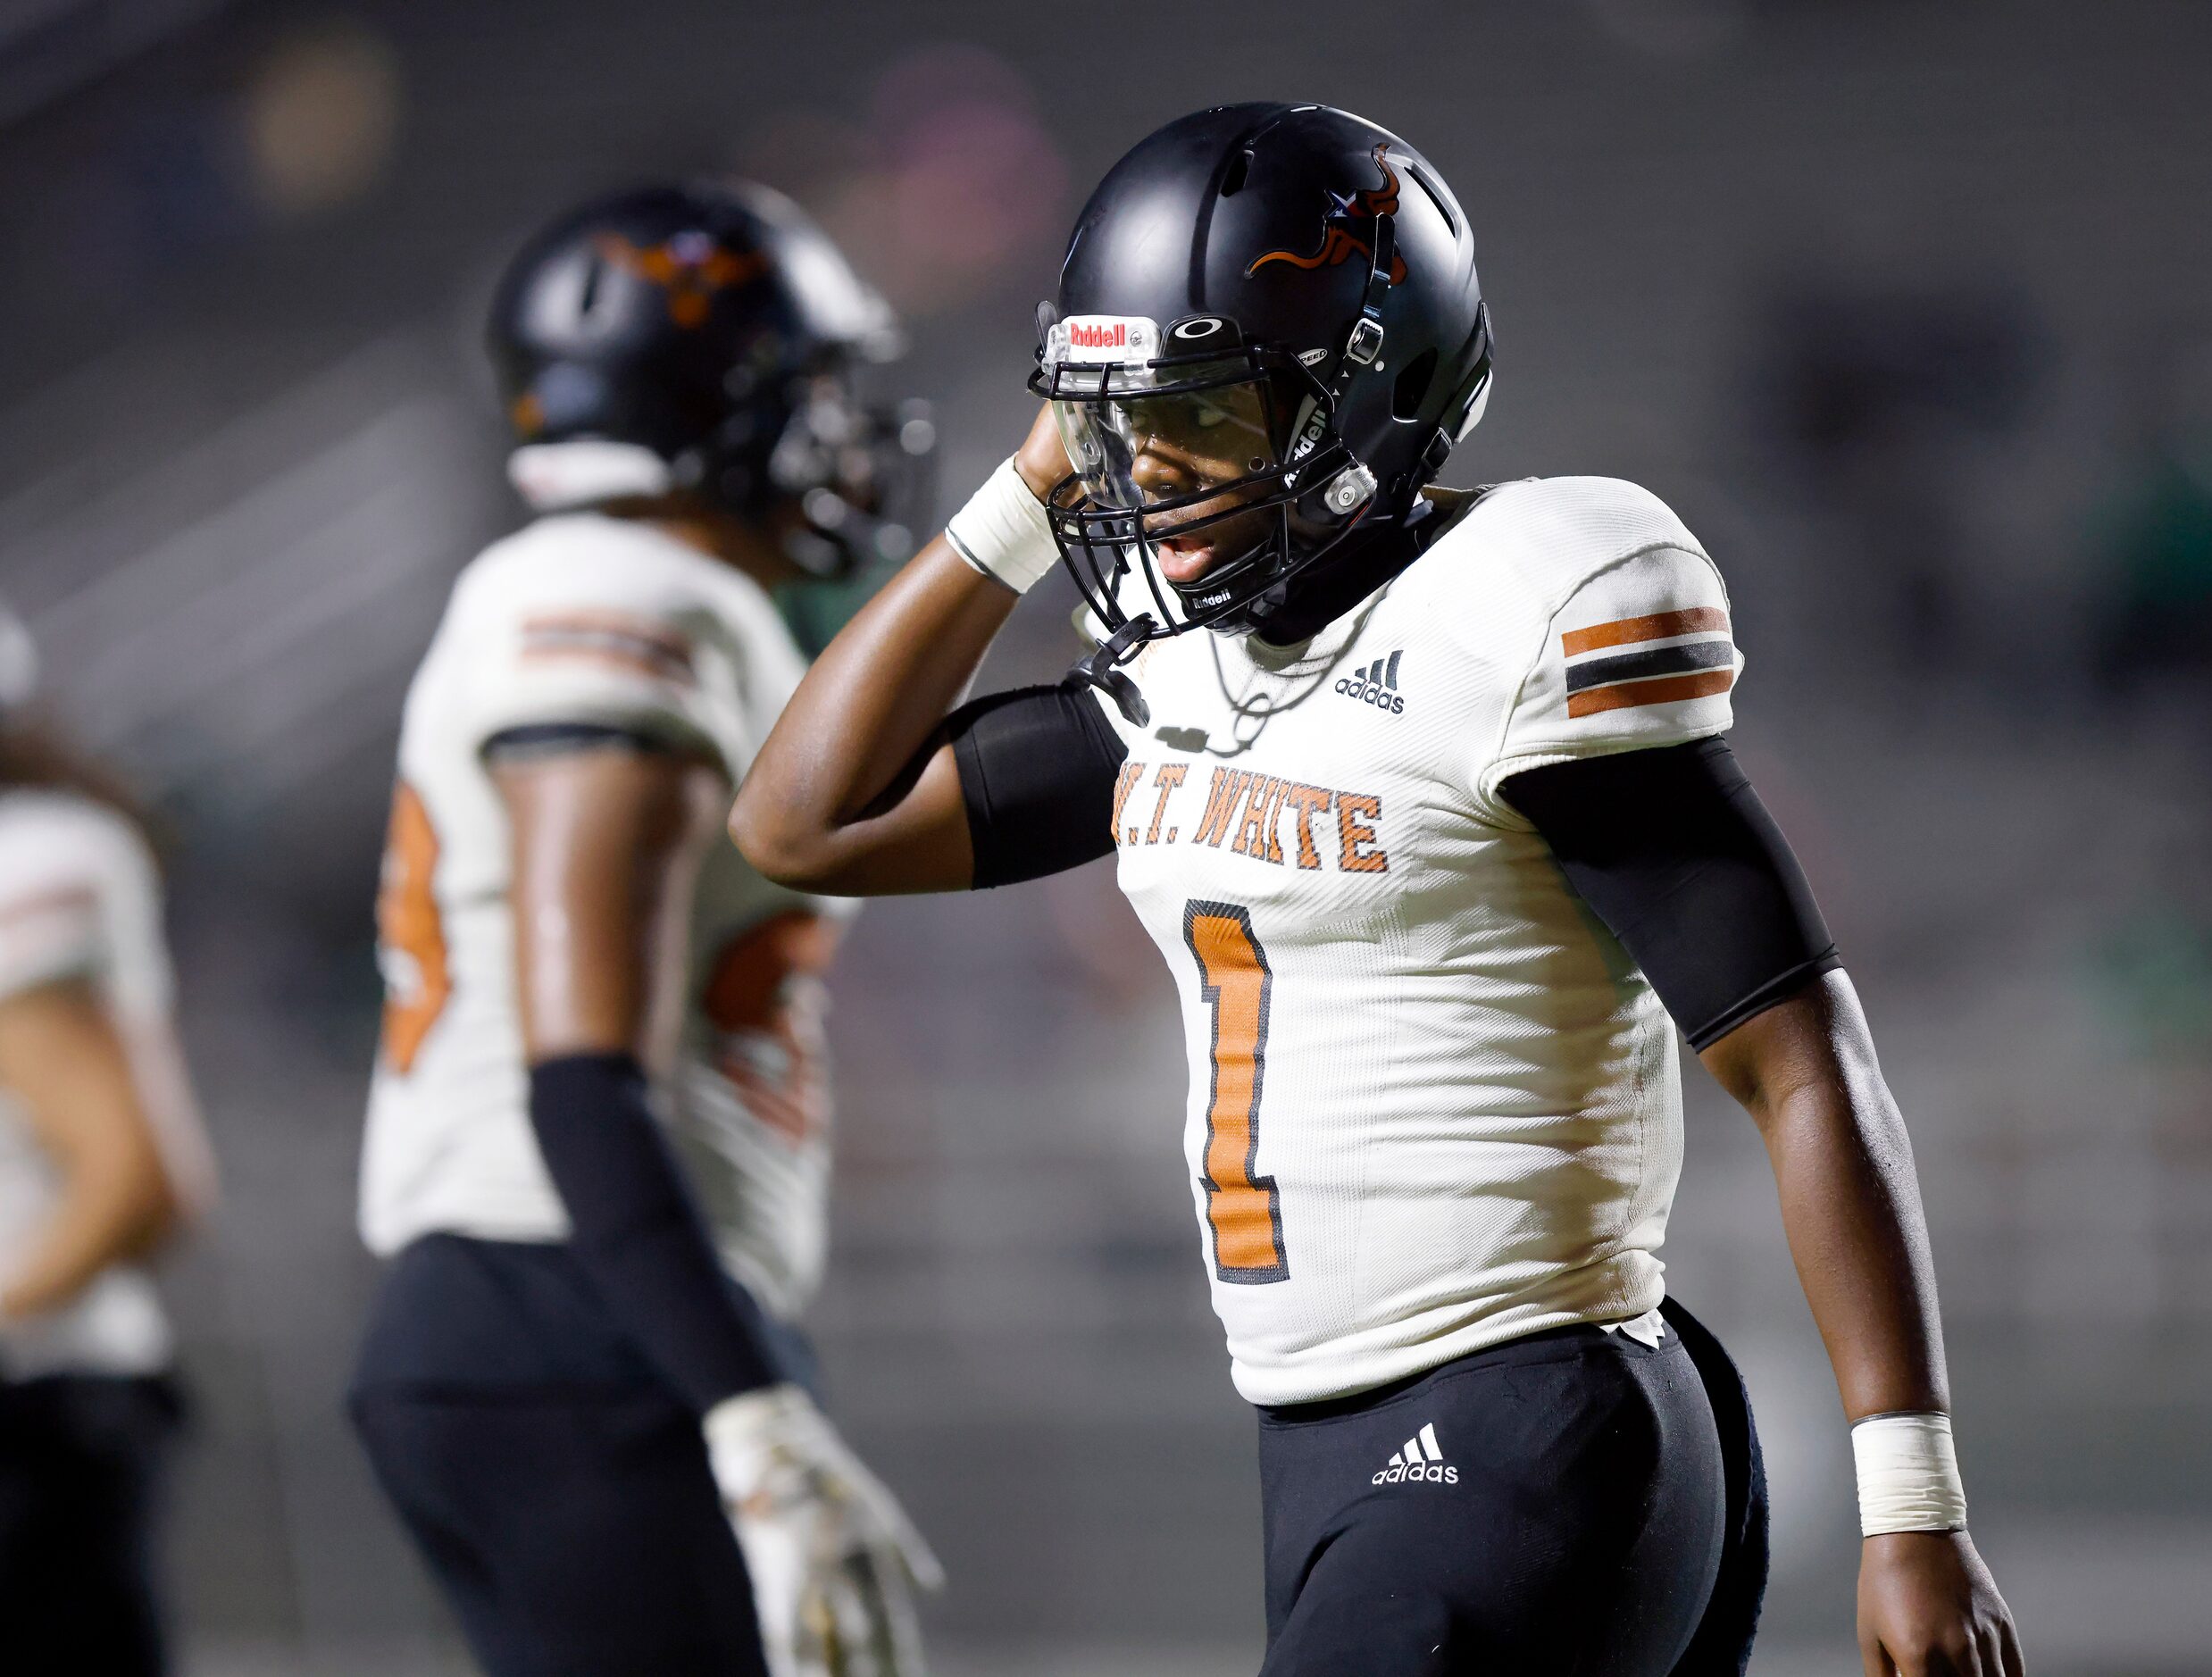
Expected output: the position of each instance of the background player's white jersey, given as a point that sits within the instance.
(1433, 1104)
(582, 618)
(80, 897)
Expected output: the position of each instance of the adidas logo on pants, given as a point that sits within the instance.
(1422, 1458)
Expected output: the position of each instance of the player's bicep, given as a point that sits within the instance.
(1674, 850)
(604, 845)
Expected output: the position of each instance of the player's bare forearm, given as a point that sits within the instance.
(1850, 1206)
(1850, 1202)
(62, 1056)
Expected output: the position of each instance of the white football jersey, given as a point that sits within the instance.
(585, 618)
(1433, 1104)
(80, 898)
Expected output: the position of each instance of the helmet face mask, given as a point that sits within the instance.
(858, 474)
(1290, 273)
(1189, 468)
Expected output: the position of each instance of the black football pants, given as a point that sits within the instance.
(81, 1461)
(558, 1491)
(1562, 1504)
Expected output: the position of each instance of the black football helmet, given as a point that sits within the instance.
(1269, 332)
(715, 328)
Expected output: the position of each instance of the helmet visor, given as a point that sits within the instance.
(1196, 456)
(1187, 467)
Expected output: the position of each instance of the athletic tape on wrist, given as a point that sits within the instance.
(1907, 1475)
(1003, 531)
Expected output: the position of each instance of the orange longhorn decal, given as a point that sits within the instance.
(1337, 242)
(690, 267)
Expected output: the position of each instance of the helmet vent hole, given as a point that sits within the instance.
(589, 299)
(1437, 196)
(1233, 179)
(1413, 385)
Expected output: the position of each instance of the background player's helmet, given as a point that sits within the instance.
(706, 338)
(1269, 329)
(19, 662)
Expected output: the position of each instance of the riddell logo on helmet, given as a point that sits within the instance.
(1103, 338)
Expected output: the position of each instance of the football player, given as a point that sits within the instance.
(1427, 798)
(598, 1138)
(102, 1159)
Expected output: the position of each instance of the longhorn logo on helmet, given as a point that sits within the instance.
(1338, 241)
(690, 267)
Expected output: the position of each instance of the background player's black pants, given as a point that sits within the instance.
(1571, 1510)
(81, 1461)
(559, 1491)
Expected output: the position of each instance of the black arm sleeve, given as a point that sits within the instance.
(1676, 855)
(1037, 770)
(636, 1234)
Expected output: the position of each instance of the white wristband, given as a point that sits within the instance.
(1003, 531)
(1907, 1475)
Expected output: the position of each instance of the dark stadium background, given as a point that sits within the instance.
(1904, 306)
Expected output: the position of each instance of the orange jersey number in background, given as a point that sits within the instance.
(411, 939)
(766, 999)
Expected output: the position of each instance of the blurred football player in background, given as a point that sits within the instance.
(102, 1159)
(1436, 829)
(599, 1141)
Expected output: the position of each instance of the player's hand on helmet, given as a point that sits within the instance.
(1042, 458)
(1927, 1607)
(834, 1559)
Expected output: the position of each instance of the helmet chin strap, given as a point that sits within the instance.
(1100, 668)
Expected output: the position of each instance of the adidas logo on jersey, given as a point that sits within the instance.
(1377, 684)
(1422, 1458)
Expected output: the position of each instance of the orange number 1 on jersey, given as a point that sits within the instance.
(1244, 1211)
